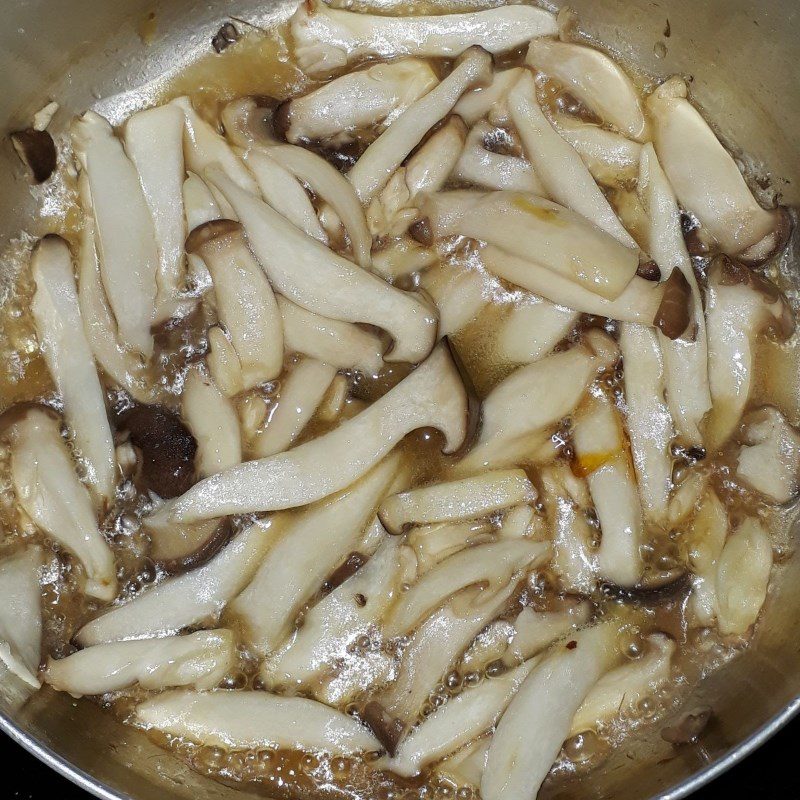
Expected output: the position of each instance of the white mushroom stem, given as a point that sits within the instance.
(314, 277)
(357, 100)
(386, 153)
(595, 80)
(687, 496)
(189, 599)
(199, 204)
(126, 243)
(481, 167)
(455, 501)
(546, 702)
(402, 257)
(343, 345)
(740, 306)
(489, 101)
(521, 521)
(602, 457)
(536, 230)
(532, 328)
(649, 422)
(465, 767)
(245, 302)
(154, 142)
(199, 659)
(430, 167)
(50, 493)
(223, 363)
(301, 393)
(769, 460)
(707, 535)
(460, 295)
(558, 165)
(212, 419)
(432, 396)
(60, 331)
(296, 567)
(706, 179)
(686, 358)
(252, 720)
(327, 39)
(536, 630)
(21, 614)
(620, 690)
(638, 302)
(434, 543)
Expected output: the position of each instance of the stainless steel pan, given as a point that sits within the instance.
(743, 56)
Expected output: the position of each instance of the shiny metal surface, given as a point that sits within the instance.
(742, 55)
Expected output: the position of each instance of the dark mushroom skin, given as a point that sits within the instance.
(345, 570)
(37, 151)
(387, 729)
(649, 270)
(674, 312)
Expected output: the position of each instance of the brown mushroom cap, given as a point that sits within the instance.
(211, 231)
(674, 312)
(37, 151)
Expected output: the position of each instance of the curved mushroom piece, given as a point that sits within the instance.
(245, 301)
(371, 172)
(603, 459)
(769, 460)
(459, 294)
(532, 328)
(742, 578)
(250, 720)
(559, 166)
(648, 418)
(594, 79)
(489, 101)
(154, 142)
(301, 393)
(21, 614)
(199, 204)
(521, 521)
(465, 767)
(343, 345)
(708, 182)
(740, 306)
(314, 277)
(126, 243)
(358, 100)
(546, 702)
(177, 548)
(60, 331)
(296, 567)
(431, 396)
(707, 534)
(327, 39)
(482, 167)
(402, 257)
(50, 493)
(223, 363)
(199, 659)
(619, 691)
(455, 501)
(687, 496)
(213, 422)
(434, 543)
(534, 631)
(522, 224)
(189, 599)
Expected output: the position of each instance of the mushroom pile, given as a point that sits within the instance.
(414, 420)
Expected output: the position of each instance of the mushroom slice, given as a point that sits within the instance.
(769, 460)
(740, 305)
(455, 501)
(301, 393)
(743, 577)
(199, 204)
(402, 257)
(154, 142)
(639, 301)
(532, 328)
(521, 521)
(431, 396)
(189, 599)
(60, 331)
(434, 543)
(559, 167)
(687, 496)
(612, 159)
(126, 242)
(489, 101)
(707, 534)
(492, 565)
(521, 224)
(314, 277)
(707, 181)
(594, 79)
(546, 703)
(251, 720)
(343, 345)
(489, 170)
(603, 459)
(50, 493)
(649, 421)
(685, 358)
(199, 659)
(535, 631)
(327, 38)
(296, 567)
(619, 690)
(21, 614)
(465, 767)
(223, 363)
(177, 548)
(386, 153)
(459, 294)
(213, 422)
(245, 301)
